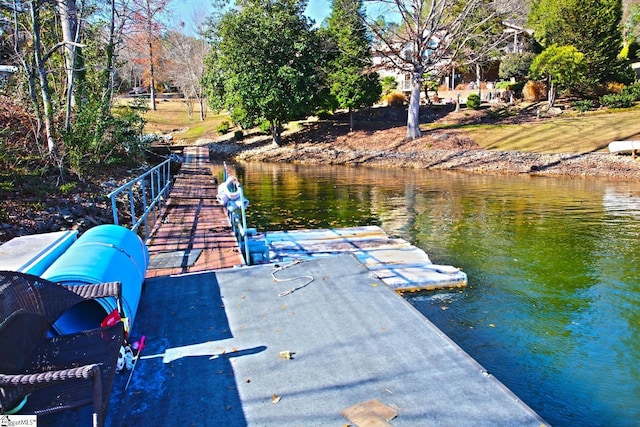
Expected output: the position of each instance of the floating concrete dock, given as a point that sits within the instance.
(320, 340)
(402, 266)
(313, 343)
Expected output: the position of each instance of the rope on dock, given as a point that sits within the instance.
(291, 279)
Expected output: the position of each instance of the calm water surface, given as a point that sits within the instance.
(552, 306)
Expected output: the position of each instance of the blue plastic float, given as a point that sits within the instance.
(106, 253)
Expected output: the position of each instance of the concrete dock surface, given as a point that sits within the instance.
(316, 343)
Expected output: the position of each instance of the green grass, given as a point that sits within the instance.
(576, 133)
(171, 116)
(569, 132)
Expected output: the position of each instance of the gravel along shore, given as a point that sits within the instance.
(604, 165)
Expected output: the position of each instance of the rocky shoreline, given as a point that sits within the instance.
(79, 211)
(597, 165)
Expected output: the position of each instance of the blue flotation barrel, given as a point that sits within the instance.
(106, 253)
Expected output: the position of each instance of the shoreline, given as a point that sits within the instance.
(587, 165)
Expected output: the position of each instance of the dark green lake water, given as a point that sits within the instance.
(553, 303)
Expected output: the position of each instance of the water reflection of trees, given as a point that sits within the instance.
(552, 262)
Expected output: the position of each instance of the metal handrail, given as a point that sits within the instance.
(239, 223)
(154, 183)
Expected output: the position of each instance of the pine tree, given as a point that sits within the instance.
(351, 83)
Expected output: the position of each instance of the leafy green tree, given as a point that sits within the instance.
(515, 65)
(561, 66)
(267, 60)
(350, 82)
(592, 26)
(631, 33)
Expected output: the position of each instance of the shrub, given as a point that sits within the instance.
(396, 99)
(473, 101)
(504, 85)
(389, 84)
(265, 126)
(617, 100)
(238, 134)
(582, 105)
(323, 114)
(68, 187)
(96, 140)
(632, 90)
(223, 127)
(515, 65)
(614, 87)
(534, 91)
(502, 112)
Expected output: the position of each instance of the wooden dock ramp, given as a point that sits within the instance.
(194, 234)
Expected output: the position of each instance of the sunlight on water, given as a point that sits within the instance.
(553, 263)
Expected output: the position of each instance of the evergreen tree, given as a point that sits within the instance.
(561, 66)
(592, 26)
(350, 81)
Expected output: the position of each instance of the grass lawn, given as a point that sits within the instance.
(571, 133)
(171, 116)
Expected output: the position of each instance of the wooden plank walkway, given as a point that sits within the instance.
(194, 233)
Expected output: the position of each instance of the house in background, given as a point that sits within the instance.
(452, 78)
(6, 71)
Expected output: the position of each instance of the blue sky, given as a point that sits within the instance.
(189, 11)
(318, 10)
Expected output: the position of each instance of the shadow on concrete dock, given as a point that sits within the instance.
(217, 347)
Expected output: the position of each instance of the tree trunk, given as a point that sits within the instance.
(42, 73)
(350, 119)
(478, 79)
(70, 34)
(275, 133)
(28, 69)
(413, 116)
(107, 76)
(152, 83)
(150, 36)
(203, 106)
(552, 93)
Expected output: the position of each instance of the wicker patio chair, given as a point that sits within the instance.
(41, 373)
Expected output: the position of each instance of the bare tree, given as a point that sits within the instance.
(70, 24)
(186, 67)
(147, 14)
(430, 34)
(40, 60)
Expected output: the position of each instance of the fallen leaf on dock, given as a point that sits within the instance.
(286, 354)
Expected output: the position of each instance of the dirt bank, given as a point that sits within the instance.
(383, 144)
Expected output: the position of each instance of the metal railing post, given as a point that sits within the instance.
(243, 217)
(161, 173)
